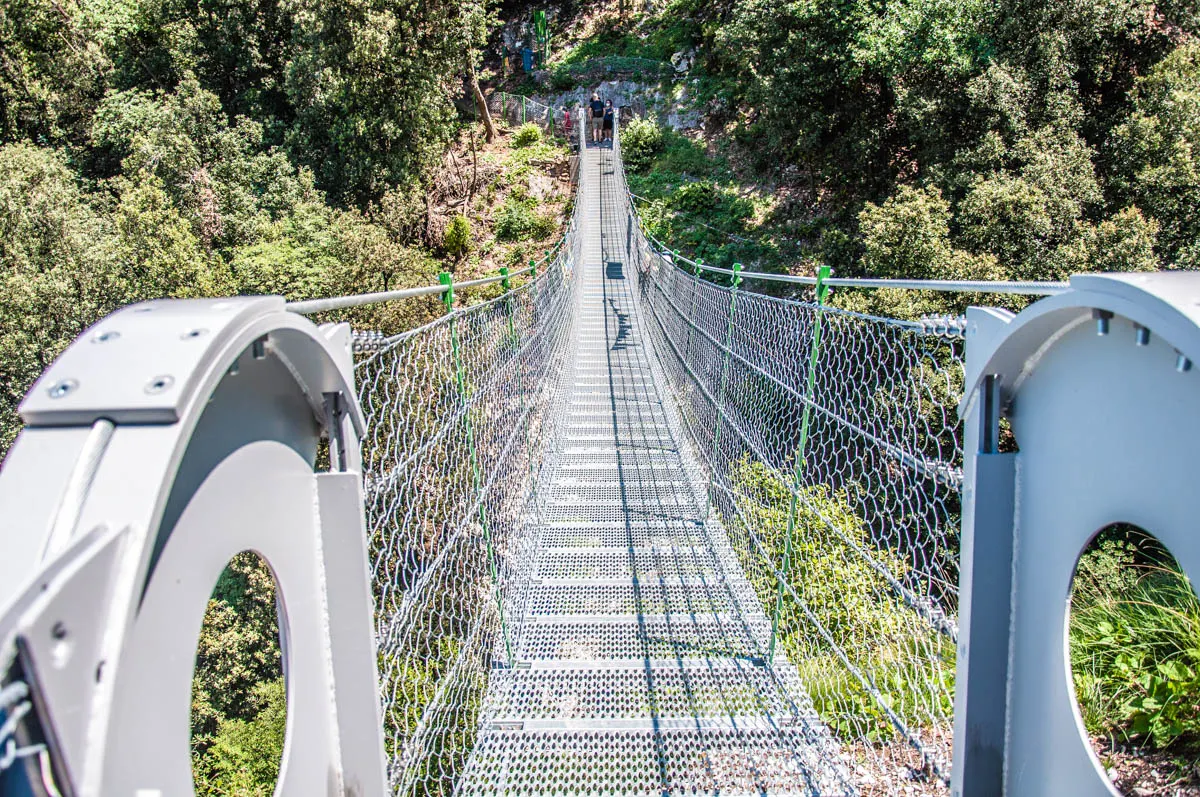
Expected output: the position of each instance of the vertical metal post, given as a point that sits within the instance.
(460, 379)
(533, 275)
(733, 292)
(798, 475)
(514, 341)
(506, 285)
(985, 589)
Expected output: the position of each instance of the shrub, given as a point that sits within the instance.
(458, 236)
(516, 258)
(519, 221)
(696, 198)
(527, 135)
(641, 140)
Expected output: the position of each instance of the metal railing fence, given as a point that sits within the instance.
(456, 412)
(834, 453)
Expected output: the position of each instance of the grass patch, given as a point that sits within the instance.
(1135, 643)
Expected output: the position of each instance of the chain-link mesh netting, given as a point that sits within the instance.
(456, 413)
(519, 110)
(834, 451)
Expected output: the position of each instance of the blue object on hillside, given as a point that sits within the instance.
(527, 59)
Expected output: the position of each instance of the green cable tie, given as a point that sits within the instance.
(822, 294)
(447, 279)
(504, 280)
(733, 292)
(822, 288)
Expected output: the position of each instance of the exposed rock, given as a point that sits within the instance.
(683, 60)
(540, 187)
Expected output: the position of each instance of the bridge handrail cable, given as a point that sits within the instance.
(1018, 287)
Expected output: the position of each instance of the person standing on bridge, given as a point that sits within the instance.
(608, 122)
(595, 116)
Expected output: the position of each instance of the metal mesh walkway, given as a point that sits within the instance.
(638, 643)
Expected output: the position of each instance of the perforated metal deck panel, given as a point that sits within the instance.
(638, 643)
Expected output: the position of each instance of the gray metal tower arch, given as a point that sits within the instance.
(166, 439)
(1102, 397)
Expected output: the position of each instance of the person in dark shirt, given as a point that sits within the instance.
(596, 116)
(608, 122)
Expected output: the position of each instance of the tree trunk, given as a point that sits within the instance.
(489, 127)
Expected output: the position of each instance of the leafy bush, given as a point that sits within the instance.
(1135, 642)
(519, 221)
(516, 257)
(698, 197)
(458, 236)
(527, 135)
(641, 140)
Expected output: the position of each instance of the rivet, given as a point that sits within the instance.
(106, 336)
(159, 383)
(1141, 335)
(193, 333)
(1182, 364)
(59, 631)
(61, 388)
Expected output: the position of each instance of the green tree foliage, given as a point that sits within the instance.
(245, 754)
(239, 704)
(1157, 151)
(52, 70)
(1058, 135)
(370, 84)
(238, 648)
(154, 148)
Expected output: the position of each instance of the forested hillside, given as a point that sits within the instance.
(153, 148)
(920, 138)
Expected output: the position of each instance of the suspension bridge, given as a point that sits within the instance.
(629, 527)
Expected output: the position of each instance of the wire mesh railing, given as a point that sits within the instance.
(456, 412)
(834, 454)
(518, 110)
